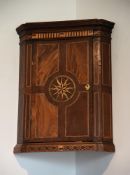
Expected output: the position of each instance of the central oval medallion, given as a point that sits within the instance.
(62, 88)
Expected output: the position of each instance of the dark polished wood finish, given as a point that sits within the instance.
(65, 89)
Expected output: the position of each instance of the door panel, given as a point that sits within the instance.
(77, 60)
(47, 61)
(77, 116)
(44, 118)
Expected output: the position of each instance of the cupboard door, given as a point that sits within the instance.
(78, 114)
(61, 99)
(43, 113)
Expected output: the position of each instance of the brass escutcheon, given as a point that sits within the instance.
(87, 87)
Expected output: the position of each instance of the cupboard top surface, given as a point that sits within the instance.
(59, 25)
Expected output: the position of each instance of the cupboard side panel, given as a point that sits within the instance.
(97, 89)
(97, 62)
(27, 109)
(106, 63)
(28, 64)
(97, 116)
(107, 115)
(20, 127)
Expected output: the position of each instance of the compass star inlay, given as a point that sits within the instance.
(62, 88)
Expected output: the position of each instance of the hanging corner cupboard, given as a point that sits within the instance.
(65, 86)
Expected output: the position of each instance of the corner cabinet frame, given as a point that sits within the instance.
(65, 86)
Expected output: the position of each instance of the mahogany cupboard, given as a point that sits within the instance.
(65, 89)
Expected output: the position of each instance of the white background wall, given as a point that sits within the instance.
(16, 12)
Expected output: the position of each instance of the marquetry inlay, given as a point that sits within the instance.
(62, 34)
(53, 35)
(62, 88)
